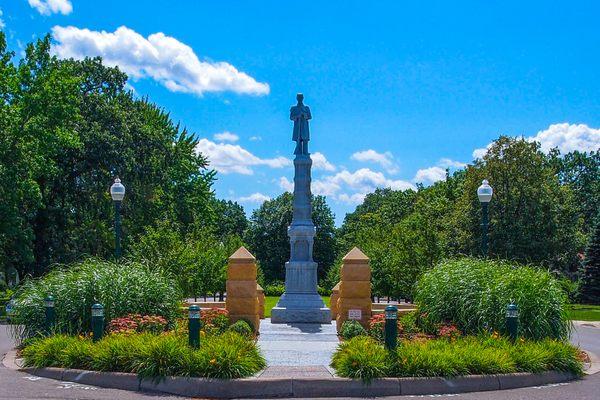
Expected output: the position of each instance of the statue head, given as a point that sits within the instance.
(300, 98)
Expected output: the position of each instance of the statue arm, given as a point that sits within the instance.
(308, 114)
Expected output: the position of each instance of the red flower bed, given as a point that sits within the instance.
(133, 323)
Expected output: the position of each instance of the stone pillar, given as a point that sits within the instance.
(355, 288)
(260, 294)
(242, 300)
(335, 295)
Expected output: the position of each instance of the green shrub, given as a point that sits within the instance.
(361, 358)
(229, 356)
(243, 328)
(127, 288)
(474, 293)
(274, 289)
(352, 329)
(150, 356)
(366, 359)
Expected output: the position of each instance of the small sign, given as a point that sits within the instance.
(355, 314)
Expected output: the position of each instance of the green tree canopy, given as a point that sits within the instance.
(268, 240)
(68, 128)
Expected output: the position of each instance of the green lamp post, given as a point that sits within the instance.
(97, 322)
(194, 326)
(512, 321)
(391, 327)
(50, 313)
(117, 192)
(484, 193)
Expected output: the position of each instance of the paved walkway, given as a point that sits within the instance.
(299, 345)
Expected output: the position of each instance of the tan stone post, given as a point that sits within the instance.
(335, 295)
(260, 294)
(242, 299)
(355, 288)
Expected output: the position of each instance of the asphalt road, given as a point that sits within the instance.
(15, 385)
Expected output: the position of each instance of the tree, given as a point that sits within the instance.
(590, 282)
(268, 240)
(230, 218)
(68, 127)
(533, 218)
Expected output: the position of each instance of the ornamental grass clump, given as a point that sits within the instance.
(124, 288)
(473, 294)
(361, 358)
(225, 356)
(364, 358)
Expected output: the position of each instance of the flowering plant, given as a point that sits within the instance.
(214, 320)
(133, 323)
(449, 331)
(377, 326)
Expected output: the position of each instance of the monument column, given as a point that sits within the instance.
(301, 301)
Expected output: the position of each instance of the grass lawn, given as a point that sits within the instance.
(271, 301)
(584, 312)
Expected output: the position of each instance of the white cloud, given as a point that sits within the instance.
(567, 137)
(320, 162)
(386, 160)
(355, 198)
(47, 7)
(255, 138)
(254, 198)
(349, 186)
(232, 158)
(430, 175)
(160, 57)
(448, 163)
(226, 137)
(437, 172)
(286, 184)
(2, 24)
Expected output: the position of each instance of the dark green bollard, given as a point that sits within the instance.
(391, 327)
(97, 322)
(512, 321)
(50, 314)
(194, 326)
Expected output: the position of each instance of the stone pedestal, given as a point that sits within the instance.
(301, 301)
(354, 288)
(242, 296)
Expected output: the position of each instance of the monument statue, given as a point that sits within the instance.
(301, 302)
(300, 114)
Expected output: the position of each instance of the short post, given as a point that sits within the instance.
(391, 327)
(194, 326)
(50, 314)
(97, 322)
(512, 321)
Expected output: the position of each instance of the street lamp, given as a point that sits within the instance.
(117, 192)
(484, 192)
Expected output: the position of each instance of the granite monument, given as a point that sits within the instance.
(301, 302)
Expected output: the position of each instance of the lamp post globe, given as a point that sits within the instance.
(117, 192)
(484, 193)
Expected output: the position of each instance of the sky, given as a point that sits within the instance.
(399, 91)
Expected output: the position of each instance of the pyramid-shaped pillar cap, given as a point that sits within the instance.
(355, 256)
(242, 255)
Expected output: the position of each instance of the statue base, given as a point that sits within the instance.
(301, 303)
(300, 308)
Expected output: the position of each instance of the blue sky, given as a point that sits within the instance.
(398, 91)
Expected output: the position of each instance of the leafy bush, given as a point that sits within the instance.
(150, 356)
(377, 327)
(214, 320)
(138, 323)
(474, 294)
(366, 359)
(127, 288)
(275, 289)
(351, 329)
(242, 327)
(361, 358)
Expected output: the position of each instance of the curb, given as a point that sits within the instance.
(302, 387)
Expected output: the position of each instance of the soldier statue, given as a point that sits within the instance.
(300, 114)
